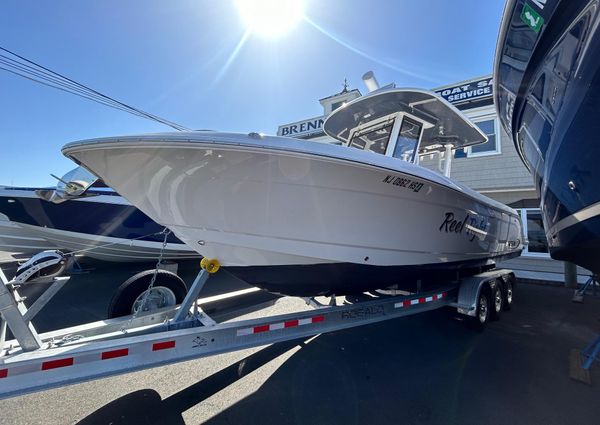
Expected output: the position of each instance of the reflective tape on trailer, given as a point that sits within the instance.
(82, 359)
(280, 325)
(420, 300)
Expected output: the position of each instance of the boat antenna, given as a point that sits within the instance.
(23, 67)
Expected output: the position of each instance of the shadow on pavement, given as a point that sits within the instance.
(147, 407)
(423, 369)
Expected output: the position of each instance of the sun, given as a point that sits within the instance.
(270, 18)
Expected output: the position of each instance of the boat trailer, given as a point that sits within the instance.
(34, 362)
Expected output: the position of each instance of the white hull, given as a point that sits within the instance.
(278, 201)
(108, 248)
(14, 238)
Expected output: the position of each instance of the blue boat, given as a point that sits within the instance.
(90, 220)
(547, 93)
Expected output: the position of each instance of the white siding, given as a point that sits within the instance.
(497, 171)
(543, 269)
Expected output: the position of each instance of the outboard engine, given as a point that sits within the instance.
(41, 267)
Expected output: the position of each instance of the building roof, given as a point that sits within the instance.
(343, 92)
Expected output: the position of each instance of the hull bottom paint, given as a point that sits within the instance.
(350, 278)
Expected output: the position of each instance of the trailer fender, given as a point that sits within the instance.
(470, 288)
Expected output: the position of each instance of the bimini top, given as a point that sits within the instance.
(368, 122)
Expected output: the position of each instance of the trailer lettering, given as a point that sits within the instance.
(199, 342)
(361, 313)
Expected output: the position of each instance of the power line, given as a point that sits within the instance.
(67, 91)
(18, 70)
(23, 67)
(64, 83)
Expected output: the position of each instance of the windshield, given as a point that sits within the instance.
(374, 138)
(407, 141)
(76, 181)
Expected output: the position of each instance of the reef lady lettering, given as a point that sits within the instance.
(475, 226)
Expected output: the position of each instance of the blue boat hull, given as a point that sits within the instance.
(547, 88)
(100, 226)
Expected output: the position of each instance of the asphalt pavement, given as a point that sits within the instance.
(424, 369)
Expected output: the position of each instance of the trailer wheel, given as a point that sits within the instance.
(509, 289)
(497, 301)
(168, 290)
(482, 313)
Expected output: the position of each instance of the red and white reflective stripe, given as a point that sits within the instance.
(420, 300)
(281, 325)
(112, 354)
(165, 345)
(84, 358)
(55, 364)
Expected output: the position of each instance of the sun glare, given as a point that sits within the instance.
(270, 18)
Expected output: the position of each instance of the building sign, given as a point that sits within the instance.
(467, 91)
(302, 128)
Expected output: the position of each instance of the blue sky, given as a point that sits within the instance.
(169, 57)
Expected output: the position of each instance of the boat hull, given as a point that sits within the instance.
(15, 238)
(102, 227)
(306, 219)
(547, 86)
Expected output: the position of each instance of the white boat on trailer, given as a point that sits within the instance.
(304, 218)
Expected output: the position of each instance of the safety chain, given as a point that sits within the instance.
(166, 232)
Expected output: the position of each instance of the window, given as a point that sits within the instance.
(408, 139)
(533, 228)
(336, 105)
(374, 138)
(492, 146)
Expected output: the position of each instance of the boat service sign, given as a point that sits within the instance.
(467, 91)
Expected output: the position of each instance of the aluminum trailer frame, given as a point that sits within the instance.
(171, 335)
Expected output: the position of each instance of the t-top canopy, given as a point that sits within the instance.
(443, 123)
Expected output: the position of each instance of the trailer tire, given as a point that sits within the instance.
(509, 290)
(482, 312)
(168, 290)
(497, 300)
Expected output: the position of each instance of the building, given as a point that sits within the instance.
(493, 168)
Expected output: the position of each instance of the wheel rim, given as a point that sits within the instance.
(498, 300)
(483, 309)
(158, 297)
(509, 293)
